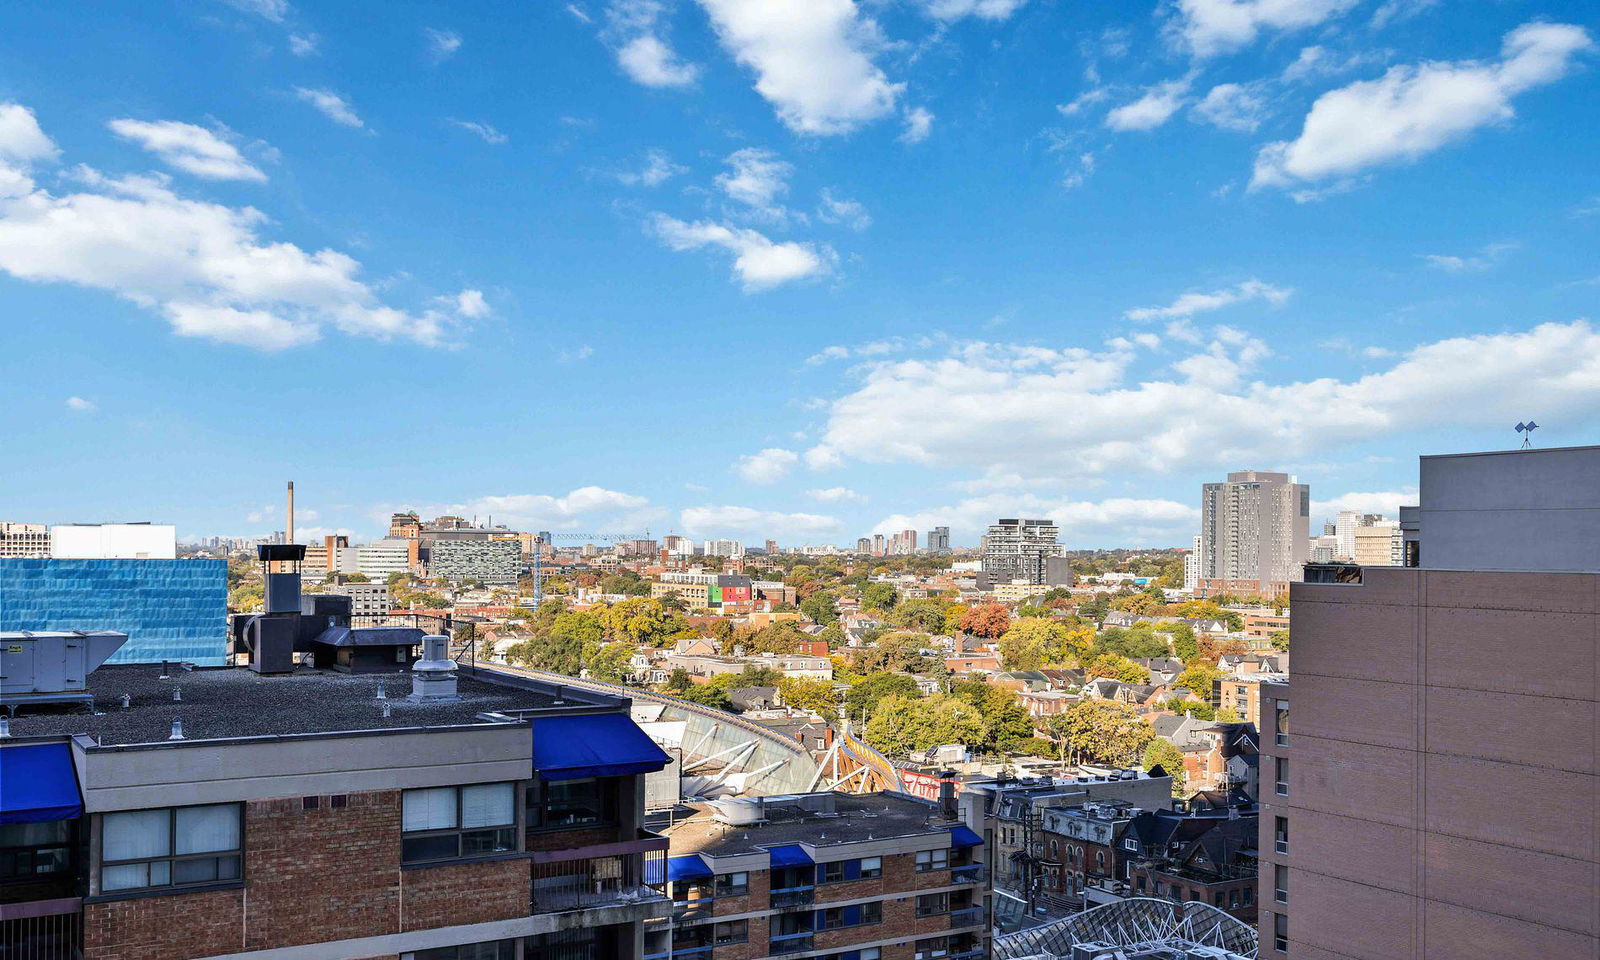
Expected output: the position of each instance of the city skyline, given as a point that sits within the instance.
(469, 263)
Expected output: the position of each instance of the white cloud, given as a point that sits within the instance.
(471, 304)
(648, 60)
(756, 178)
(80, 405)
(919, 123)
(1318, 61)
(1399, 10)
(21, 140)
(274, 10)
(1081, 171)
(658, 169)
(1233, 106)
(186, 147)
(948, 10)
(768, 466)
(1117, 521)
(872, 348)
(722, 520)
(842, 210)
(759, 262)
(1414, 110)
(1208, 28)
(204, 266)
(489, 134)
(578, 14)
(1488, 257)
(836, 495)
(330, 105)
(442, 44)
(1153, 109)
(579, 507)
(1386, 502)
(1087, 414)
(576, 355)
(1084, 100)
(304, 45)
(1190, 304)
(812, 59)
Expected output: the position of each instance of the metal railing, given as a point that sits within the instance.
(789, 943)
(598, 881)
(966, 916)
(792, 897)
(969, 873)
(45, 935)
(696, 909)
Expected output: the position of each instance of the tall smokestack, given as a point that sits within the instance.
(288, 534)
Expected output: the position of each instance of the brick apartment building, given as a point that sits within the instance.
(823, 875)
(323, 815)
(1442, 799)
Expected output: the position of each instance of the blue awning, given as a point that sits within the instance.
(39, 784)
(593, 745)
(962, 837)
(687, 868)
(789, 855)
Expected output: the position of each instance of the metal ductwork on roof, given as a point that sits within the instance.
(52, 667)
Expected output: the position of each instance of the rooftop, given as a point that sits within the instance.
(233, 702)
(836, 818)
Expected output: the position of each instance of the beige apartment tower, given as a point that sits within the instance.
(1440, 801)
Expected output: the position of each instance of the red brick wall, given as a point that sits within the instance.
(164, 928)
(464, 893)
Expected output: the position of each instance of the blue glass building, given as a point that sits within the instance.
(170, 609)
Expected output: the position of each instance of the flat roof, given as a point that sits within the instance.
(856, 817)
(235, 702)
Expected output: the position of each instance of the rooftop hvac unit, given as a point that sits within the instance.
(53, 667)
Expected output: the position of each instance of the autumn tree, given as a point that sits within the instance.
(926, 616)
(1117, 667)
(806, 694)
(988, 620)
(638, 620)
(1198, 679)
(608, 662)
(1102, 731)
(1034, 642)
(878, 596)
(902, 726)
(863, 698)
(821, 608)
(1161, 753)
(1140, 604)
(1009, 722)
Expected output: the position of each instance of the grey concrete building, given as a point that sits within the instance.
(1442, 802)
(366, 599)
(1254, 526)
(491, 562)
(1020, 550)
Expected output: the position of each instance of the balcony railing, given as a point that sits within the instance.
(788, 897)
(789, 943)
(592, 882)
(975, 953)
(696, 909)
(968, 873)
(966, 916)
(42, 930)
(691, 953)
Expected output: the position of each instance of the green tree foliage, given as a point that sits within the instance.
(900, 651)
(559, 640)
(780, 637)
(625, 581)
(1162, 753)
(924, 616)
(1198, 680)
(1116, 667)
(1139, 642)
(1199, 709)
(1102, 732)
(639, 620)
(878, 596)
(864, 697)
(832, 635)
(804, 694)
(1008, 720)
(1095, 608)
(988, 620)
(1280, 640)
(901, 725)
(1208, 610)
(355, 578)
(706, 695)
(821, 608)
(750, 676)
(1034, 642)
(247, 597)
(608, 662)
(1184, 645)
(397, 579)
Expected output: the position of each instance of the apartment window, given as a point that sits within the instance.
(933, 948)
(491, 950)
(1281, 722)
(170, 847)
(929, 860)
(833, 872)
(449, 823)
(1249, 896)
(1280, 933)
(1131, 844)
(1281, 785)
(930, 904)
(871, 867)
(733, 931)
(1280, 883)
(572, 804)
(32, 851)
(1280, 829)
(852, 916)
(733, 884)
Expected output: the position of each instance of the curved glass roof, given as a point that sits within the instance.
(1135, 922)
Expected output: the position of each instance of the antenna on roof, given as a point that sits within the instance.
(1526, 429)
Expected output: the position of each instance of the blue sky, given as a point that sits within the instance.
(803, 269)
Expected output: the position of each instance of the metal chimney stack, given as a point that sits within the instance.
(433, 678)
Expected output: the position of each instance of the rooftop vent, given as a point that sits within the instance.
(433, 678)
(52, 667)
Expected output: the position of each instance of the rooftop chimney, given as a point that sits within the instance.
(433, 678)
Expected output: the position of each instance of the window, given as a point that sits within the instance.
(871, 867)
(1281, 835)
(1249, 895)
(833, 872)
(1100, 860)
(1282, 778)
(851, 916)
(930, 904)
(929, 860)
(1131, 844)
(934, 948)
(170, 847)
(570, 804)
(1281, 723)
(449, 823)
(30, 851)
(1280, 933)
(734, 931)
(492, 950)
(1138, 883)
(733, 884)
(1280, 883)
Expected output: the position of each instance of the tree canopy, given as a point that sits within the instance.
(1101, 731)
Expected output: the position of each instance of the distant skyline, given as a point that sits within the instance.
(806, 271)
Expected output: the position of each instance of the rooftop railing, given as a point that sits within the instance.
(42, 930)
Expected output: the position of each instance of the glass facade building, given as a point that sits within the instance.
(170, 609)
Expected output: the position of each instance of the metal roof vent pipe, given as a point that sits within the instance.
(433, 678)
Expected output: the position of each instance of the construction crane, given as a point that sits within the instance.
(538, 554)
